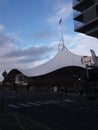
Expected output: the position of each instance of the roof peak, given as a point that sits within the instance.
(61, 45)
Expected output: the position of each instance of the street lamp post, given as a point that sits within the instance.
(4, 74)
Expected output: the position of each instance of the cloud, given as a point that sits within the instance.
(12, 56)
(1, 27)
(81, 43)
(62, 10)
(31, 51)
(29, 59)
(5, 39)
(23, 58)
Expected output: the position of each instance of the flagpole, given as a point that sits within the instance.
(61, 28)
(62, 36)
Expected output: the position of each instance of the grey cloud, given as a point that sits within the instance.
(31, 51)
(29, 59)
(4, 39)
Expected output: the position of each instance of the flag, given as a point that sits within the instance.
(92, 52)
(60, 21)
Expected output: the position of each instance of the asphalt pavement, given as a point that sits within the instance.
(49, 112)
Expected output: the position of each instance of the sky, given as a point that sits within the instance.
(30, 33)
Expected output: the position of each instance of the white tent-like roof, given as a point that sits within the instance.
(63, 58)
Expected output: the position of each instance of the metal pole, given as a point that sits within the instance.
(87, 73)
(4, 74)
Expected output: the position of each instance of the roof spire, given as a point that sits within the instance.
(61, 43)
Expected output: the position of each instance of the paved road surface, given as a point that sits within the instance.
(49, 112)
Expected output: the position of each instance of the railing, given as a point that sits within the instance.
(76, 13)
(76, 2)
(78, 24)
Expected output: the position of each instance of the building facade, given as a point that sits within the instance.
(86, 17)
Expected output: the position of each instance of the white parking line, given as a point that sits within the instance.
(30, 103)
(14, 106)
(68, 100)
(46, 102)
(24, 105)
(35, 104)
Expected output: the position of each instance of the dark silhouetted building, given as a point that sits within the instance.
(86, 17)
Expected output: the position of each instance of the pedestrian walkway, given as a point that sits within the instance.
(39, 103)
(65, 103)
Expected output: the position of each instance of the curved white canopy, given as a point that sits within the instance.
(62, 59)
